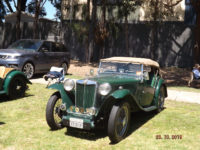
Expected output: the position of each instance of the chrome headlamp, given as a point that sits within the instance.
(69, 84)
(91, 111)
(104, 89)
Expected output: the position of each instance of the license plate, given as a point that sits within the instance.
(76, 123)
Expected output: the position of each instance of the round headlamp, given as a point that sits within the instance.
(104, 89)
(69, 84)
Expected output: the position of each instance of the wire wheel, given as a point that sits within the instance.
(118, 123)
(161, 100)
(28, 70)
(54, 113)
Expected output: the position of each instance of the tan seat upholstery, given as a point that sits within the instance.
(4, 71)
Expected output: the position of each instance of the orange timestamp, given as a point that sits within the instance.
(169, 137)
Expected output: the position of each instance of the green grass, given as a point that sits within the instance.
(23, 127)
(184, 88)
(73, 77)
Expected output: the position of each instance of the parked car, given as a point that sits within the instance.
(13, 83)
(122, 85)
(35, 56)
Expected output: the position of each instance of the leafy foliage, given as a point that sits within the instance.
(32, 7)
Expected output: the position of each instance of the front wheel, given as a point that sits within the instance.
(161, 100)
(119, 121)
(54, 113)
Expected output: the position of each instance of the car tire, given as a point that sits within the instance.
(65, 67)
(28, 69)
(161, 100)
(53, 112)
(119, 122)
(17, 87)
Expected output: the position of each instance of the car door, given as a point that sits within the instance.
(57, 54)
(147, 90)
(44, 57)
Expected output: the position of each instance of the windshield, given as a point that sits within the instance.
(120, 68)
(26, 45)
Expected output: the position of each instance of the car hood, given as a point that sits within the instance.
(115, 79)
(14, 51)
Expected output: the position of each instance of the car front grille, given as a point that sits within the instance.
(85, 93)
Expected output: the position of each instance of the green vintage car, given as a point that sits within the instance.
(122, 85)
(13, 83)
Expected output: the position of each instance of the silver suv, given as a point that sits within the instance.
(35, 56)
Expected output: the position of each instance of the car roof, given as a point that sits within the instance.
(144, 61)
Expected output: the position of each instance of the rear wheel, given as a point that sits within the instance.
(119, 121)
(28, 70)
(161, 99)
(54, 113)
(17, 87)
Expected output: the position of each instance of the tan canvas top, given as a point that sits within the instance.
(144, 61)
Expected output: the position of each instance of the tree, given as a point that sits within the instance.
(129, 6)
(32, 8)
(196, 5)
(2, 11)
(38, 7)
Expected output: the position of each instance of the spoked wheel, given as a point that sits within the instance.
(54, 113)
(118, 123)
(65, 67)
(28, 70)
(17, 87)
(161, 100)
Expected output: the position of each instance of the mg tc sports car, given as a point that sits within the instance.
(121, 86)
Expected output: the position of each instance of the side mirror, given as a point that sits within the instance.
(43, 49)
(91, 72)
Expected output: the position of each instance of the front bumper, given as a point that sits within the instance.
(11, 63)
(87, 121)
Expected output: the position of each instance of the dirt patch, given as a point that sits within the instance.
(173, 76)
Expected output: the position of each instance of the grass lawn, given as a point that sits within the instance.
(184, 88)
(23, 127)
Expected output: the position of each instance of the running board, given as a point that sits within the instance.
(149, 108)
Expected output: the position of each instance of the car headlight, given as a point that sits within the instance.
(90, 111)
(9, 57)
(104, 89)
(69, 84)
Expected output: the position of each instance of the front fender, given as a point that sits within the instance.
(157, 91)
(9, 78)
(120, 94)
(65, 98)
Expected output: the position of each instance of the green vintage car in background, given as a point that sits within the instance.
(122, 85)
(13, 83)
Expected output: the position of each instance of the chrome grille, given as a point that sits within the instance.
(85, 93)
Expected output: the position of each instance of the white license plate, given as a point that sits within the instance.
(76, 123)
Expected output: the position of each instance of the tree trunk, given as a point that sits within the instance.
(88, 34)
(37, 11)
(197, 40)
(18, 30)
(126, 35)
(9, 6)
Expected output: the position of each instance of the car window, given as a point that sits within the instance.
(122, 68)
(46, 46)
(58, 47)
(26, 45)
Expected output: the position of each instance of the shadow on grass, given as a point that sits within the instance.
(2, 123)
(137, 120)
(92, 135)
(5, 98)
